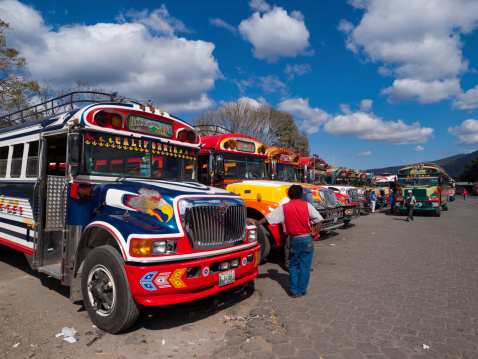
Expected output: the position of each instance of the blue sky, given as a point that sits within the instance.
(373, 82)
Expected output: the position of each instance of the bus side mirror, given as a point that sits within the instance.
(210, 168)
(74, 149)
(220, 167)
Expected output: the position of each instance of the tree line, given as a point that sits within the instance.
(470, 171)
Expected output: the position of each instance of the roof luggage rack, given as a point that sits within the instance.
(66, 103)
(212, 130)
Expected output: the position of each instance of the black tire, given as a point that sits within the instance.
(438, 212)
(445, 207)
(105, 289)
(346, 222)
(263, 237)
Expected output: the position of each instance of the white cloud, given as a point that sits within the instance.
(299, 108)
(419, 149)
(271, 83)
(252, 102)
(366, 153)
(221, 23)
(366, 105)
(424, 92)
(128, 57)
(418, 42)
(297, 69)
(467, 100)
(467, 132)
(365, 126)
(157, 20)
(276, 34)
(259, 5)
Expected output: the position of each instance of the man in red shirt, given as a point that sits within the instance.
(296, 215)
(465, 193)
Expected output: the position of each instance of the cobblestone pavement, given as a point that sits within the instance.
(384, 288)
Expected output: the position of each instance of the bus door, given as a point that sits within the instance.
(52, 200)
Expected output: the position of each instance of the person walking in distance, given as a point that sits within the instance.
(391, 200)
(296, 215)
(465, 194)
(373, 197)
(410, 204)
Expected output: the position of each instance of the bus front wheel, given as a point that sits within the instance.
(105, 289)
(438, 212)
(445, 207)
(263, 237)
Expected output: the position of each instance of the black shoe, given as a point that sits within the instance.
(311, 269)
(296, 295)
(304, 293)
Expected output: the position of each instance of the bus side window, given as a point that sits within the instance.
(32, 160)
(3, 160)
(17, 157)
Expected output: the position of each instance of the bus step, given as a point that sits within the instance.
(53, 270)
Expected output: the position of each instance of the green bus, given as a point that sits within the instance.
(429, 184)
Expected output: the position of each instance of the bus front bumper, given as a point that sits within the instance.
(154, 285)
(419, 206)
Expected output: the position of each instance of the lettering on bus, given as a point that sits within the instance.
(149, 126)
(134, 144)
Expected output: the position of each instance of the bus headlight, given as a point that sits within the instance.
(252, 235)
(141, 247)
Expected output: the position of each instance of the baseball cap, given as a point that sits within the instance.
(409, 191)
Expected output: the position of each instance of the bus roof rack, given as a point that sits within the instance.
(67, 103)
(212, 130)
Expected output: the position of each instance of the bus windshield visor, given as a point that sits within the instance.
(418, 181)
(286, 173)
(244, 166)
(132, 157)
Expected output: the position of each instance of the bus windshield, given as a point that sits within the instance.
(286, 172)
(244, 166)
(342, 180)
(123, 157)
(418, 181)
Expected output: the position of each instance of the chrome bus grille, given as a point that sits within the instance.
(219, 224)
(353, 194)
(329, 198)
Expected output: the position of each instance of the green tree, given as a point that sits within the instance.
(263, 122)
(470, 171)
(16, 88)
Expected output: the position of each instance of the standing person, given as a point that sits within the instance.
(296, 215)
(287, 237)
(410, 204)
(465, 193)
(373, 197)
(391, 200)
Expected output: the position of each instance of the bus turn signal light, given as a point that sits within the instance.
(81, 191)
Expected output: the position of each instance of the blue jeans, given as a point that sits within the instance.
(301, 252)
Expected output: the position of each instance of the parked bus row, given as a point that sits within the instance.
(129, 206)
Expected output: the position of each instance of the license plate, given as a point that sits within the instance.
(335, 220)
(227, 277)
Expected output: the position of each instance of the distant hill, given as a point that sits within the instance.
(453, 165)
